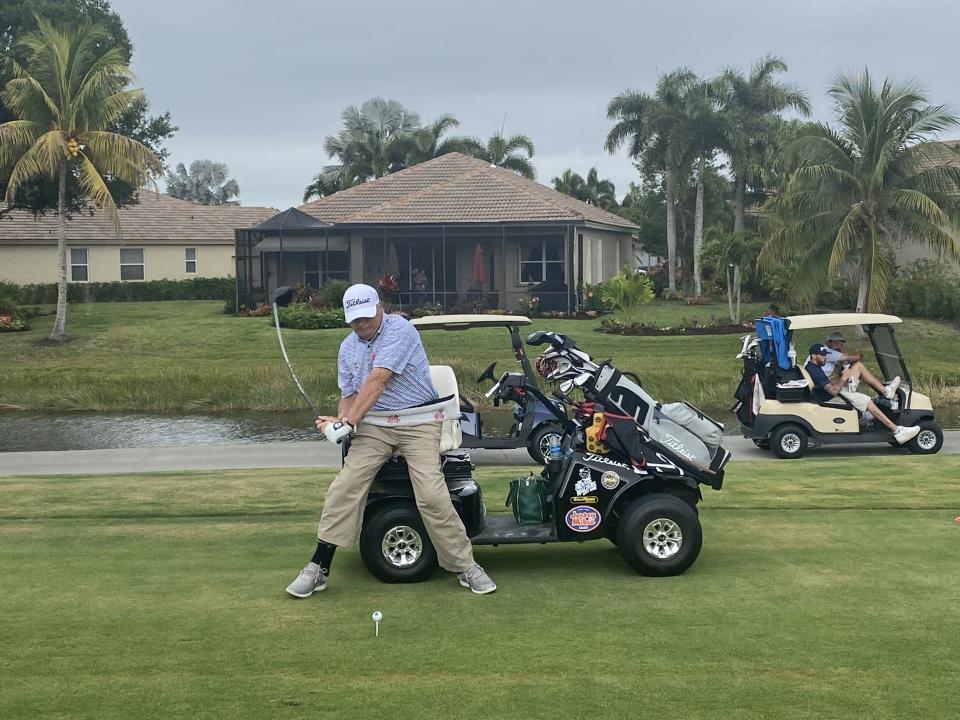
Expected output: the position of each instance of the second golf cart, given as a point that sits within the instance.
(778, 410)
(534, 424)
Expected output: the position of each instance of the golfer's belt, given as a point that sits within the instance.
(446, 408)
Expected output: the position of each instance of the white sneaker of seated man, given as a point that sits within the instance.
(890, 392)
(905, 434)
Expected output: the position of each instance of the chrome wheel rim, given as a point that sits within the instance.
(790, 443)
(662, 538)
(926, 439)
(402, 546)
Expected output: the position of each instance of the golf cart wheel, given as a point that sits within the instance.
(659, 535)
(788, 441)
(395, 546)
(762, 443)
(928, 441)
(539, 441)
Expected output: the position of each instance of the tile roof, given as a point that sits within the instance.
(455, 188)
(156, 218)
(934, 154)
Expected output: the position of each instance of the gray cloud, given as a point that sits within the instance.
(258, 86)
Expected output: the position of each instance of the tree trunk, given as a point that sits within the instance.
(671, 235)
(741, 201)
(730, 291)
(60, 321)
(862, 293)
(736, 284)
(698, 229)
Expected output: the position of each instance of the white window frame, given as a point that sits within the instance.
(84, 265)
(525, 244)
(142, 265)
(188, 260)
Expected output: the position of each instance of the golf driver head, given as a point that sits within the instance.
(282, 296)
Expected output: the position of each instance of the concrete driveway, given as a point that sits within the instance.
(315, 454)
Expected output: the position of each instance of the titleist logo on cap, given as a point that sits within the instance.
(353, 303)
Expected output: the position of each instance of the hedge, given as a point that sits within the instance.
(193, 289)
(926, 289)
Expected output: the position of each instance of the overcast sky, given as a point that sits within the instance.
(259, 85)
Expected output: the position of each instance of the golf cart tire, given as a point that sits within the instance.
(537, 438)
(383, 529)
(788, 441)
(648, 532)
(929, 441)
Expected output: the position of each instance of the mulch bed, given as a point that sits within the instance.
(653, 331)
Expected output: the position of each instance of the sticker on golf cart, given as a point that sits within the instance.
(582, 519)
(585, 484)
(610, 480)
(584, 499)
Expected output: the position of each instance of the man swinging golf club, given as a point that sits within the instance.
(388, 403)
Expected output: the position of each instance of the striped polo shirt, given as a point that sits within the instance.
(396, 347)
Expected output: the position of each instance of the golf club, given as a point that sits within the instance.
(281, 297)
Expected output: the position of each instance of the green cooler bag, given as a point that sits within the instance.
(528, 497)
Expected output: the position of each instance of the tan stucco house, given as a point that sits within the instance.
(453, 231)
(162, 238)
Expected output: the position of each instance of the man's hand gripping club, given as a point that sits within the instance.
(352, 409)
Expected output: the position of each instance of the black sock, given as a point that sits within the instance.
(324, 556)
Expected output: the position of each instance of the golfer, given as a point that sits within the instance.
(825, 389)
(389, 404)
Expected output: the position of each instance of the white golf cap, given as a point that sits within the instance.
(360, 301)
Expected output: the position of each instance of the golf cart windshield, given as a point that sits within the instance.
(888, 352)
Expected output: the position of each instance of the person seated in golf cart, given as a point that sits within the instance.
(837, 360)
(825, 389)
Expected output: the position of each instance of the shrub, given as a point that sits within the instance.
(925, 289)
(427, 310)
(303, 317)
(628, 290)
(593, 298)
(331, 294)
(192, 289)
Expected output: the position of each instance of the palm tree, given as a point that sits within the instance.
(593, 190)
(749, 104)
(64, 97)
(505, 152)
(571, 183)
(871, 181)
(652, 128)
(206, 183)
(731, 252)
(429, 142)
(373, 142)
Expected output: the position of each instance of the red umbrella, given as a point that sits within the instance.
(479, 268)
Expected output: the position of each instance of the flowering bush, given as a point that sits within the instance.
(529, 305)
(388, 286)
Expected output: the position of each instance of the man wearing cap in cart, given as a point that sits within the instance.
(388, 404)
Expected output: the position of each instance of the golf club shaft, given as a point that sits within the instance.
(283, 349)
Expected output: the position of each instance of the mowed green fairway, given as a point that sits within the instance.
(825, 589)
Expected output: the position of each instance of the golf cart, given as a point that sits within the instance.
(534, 423)
(628, 469)
(778, 410)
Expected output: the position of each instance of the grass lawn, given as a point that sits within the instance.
(188, 356)
(827, 591)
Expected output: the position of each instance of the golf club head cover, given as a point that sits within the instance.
(335, 432)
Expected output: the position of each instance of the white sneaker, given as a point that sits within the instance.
(310, 580)
(905, 434)
(891, 390)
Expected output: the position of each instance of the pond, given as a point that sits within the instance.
(29, 431)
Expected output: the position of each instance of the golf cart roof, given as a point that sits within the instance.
(464, 322)
(829, 320)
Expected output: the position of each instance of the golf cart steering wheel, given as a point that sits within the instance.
(488, 373)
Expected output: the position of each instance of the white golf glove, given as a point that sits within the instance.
(335, 432)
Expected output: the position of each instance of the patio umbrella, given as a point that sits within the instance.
(393, 263)
(479, 268)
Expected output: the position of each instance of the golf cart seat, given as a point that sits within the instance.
(836, 401)
(445, 381)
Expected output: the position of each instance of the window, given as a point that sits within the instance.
(191, 254)
(311, 270)
(541, 260)
(79, 266)
(131, 263)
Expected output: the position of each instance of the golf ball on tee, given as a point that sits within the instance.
(377, 616)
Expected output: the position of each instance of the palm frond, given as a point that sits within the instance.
(93, 186)
(43, 158)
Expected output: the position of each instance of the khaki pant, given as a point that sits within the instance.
(343, 508)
